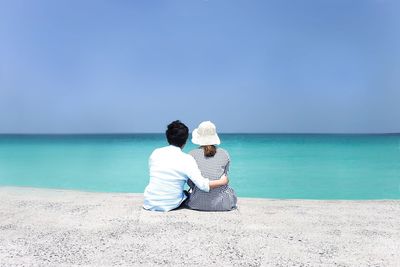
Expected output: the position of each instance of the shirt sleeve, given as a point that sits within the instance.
(228, 159)
(194, 174)
(227, 167)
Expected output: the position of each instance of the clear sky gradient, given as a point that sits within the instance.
(283, 66)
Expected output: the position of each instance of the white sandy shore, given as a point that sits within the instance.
(61, 227)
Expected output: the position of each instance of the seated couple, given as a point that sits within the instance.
(205, 170)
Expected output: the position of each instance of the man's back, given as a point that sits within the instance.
(169, 170)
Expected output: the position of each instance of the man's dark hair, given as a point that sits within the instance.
(177, 133)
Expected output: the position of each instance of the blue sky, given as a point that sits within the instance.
(249, 66)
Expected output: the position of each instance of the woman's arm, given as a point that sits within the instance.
(224, 178)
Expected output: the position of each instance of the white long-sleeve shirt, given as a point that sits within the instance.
(170, 168)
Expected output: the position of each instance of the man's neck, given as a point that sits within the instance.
(180, 147)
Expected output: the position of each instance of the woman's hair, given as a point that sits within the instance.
(209, 150)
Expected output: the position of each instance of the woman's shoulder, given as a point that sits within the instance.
(223, 153)
(196, 152)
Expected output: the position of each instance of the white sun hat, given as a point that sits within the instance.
(205, 134)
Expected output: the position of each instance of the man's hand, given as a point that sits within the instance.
(224, 179)
(220, 182)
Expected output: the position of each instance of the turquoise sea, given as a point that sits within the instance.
(262, 165)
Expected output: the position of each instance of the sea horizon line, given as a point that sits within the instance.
(223, 133)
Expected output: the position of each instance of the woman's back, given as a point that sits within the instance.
(218, 199)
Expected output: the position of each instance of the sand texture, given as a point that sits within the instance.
(43, 227)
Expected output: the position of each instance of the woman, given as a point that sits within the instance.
(213, 162)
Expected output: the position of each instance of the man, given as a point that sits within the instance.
(170, 168)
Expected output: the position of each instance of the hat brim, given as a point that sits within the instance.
(204, 140)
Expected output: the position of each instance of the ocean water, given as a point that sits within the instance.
(262, 165)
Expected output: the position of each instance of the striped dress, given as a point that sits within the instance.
(218, 199)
